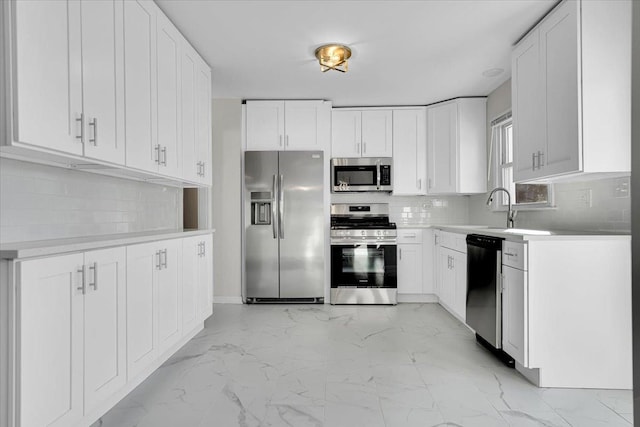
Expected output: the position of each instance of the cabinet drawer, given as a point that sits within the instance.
(410, 236)
(514, 255)
(455, 241)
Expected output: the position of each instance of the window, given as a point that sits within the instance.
(523, 195)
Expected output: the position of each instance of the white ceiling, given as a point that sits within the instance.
(404, 52)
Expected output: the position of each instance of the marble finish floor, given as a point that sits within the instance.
(333, 366)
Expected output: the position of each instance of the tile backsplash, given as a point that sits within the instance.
(415, 210)
(41, 202)
(602, 204)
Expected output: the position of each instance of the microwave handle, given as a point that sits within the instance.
(378, 173)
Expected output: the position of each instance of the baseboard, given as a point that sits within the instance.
(227, 300)
(532, 375)
(419, 298)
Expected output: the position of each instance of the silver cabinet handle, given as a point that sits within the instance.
(274, 206)
(280, 141)
(156, 149)
(364, 147)
(410, 236)
(400, 252)
(204, 249)
(163, 151)
(533, 161)
(81, 120)
(509, 254)
(94, 123)
(358, 148)
(435, 239)
(281, 207)
(164, 253)
(419, 183)
(203, 169)
(286, 141)
(83, 272)
(429, 183)
(158, 263)
(94, 267)
(540, 156)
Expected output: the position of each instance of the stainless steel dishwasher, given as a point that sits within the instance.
(484, 292)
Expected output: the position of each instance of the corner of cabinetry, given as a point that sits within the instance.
(5, 73)
(6, 337)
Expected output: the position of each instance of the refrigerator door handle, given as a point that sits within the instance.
(281, 207)
(274, 203)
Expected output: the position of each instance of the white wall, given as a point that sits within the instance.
(609, 210)
(42, 202)
(226, 195)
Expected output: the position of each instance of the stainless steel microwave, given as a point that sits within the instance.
(361, 174)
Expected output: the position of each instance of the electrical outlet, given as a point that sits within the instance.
(622, 188)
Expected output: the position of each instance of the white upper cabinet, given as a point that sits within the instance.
(565, 120)
(361, 133)
(346, 133)
(203, 122)
(377, 133)
(287, 125)
(456, 147)
(140, 85)
(409, 152)
(168, 67)
(103, 80)
(49, 91)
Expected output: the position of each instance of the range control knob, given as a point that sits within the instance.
(363, 232)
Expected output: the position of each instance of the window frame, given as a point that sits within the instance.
(497, 167)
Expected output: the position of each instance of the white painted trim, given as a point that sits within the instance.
(227, 300)
(417, 298)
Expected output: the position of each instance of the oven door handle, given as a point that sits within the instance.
(274, 209)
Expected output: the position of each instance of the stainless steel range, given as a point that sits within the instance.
(363, 254)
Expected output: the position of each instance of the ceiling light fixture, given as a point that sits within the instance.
(333, 57)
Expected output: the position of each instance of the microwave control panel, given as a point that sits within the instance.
(385, 175)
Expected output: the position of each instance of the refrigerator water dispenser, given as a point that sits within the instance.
(261, 208)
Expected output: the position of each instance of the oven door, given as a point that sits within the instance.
(364, 265)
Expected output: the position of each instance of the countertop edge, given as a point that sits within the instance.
(484, 230)
(22, 250)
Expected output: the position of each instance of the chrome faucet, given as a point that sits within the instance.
(511, 214)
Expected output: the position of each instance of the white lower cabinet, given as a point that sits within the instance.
(91, 325)
(514, 317)
(410, 267)
(451, 274)
(72, 335)
(197, 281)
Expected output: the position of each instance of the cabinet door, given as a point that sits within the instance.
(140, 84)
(205, 279)
(189, 112)
(409, 152)
(346, 137)
(528, 133)
(191, 254)
(445, 281)
(169, 288)
(459, 267)
(48, 98)
(105, 369)
(203, 122)
(143, 263)
(428, 266)
(377, 133)
(409, 269)
(50, 341)
(302, 122)
(265, 125)
(103, 79)
(514, 313)
(168, 42)
(559, 60)
(442, 137)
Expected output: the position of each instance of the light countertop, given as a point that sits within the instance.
(519, 234)
(77, 244)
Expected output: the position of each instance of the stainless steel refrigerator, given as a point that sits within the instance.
(284, 226)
